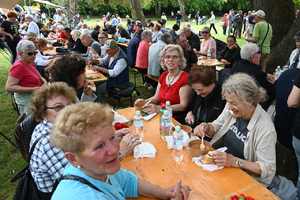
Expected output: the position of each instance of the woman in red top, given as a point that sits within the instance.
(23, 77)
(225, 20)
(172, 84)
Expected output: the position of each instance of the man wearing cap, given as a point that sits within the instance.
(122, 32)
(150, 23)
(115, 65)
(262, 35)
(32, 26)
(293, 61)
(130, 28)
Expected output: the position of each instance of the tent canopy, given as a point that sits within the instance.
(9, 4)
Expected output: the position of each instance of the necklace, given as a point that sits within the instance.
(170, 82)
(107, 179)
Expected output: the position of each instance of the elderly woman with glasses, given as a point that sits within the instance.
(47, 163)
(245, 129)
(207, 43)
(23, 77)
(172, 84)
(84, 133)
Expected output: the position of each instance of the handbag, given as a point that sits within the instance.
(222, 23)
(27, 189)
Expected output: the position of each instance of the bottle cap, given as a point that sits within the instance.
(138, 112)
(168, 103)
(166, 112)
(177, 128)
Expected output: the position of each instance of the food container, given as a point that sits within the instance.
(184, 128)
(194, 148)
(139, 105)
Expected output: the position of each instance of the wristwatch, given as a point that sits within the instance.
(241, 163)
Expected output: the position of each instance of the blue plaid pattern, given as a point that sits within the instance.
(47, 163)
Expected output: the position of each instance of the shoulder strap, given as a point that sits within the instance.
(34, 144)
(265, 36)
(75, 178)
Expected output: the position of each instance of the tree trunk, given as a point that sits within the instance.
(137, 11)
(70, 9)
(280, 14)
(182, 10)
(157, 8)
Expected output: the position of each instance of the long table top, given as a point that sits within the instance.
(211, 63)
(94, 77)
(164, 171)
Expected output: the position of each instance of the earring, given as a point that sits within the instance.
(78, 166)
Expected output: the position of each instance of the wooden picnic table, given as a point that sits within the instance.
(94, 77)
(213, 62)
(163, 171)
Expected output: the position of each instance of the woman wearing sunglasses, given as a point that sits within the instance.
(207, 43)
(23, 77)
(47, 163)
(172, 84)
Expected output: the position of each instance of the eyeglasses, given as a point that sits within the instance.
(205, 32)
(31, 53)
(173, 56)
(257, 53)
(59, 107)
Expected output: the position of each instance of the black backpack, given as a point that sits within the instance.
(23, 131)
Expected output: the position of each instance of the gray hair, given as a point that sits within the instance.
(25, 45)
(76, 34)
(60, 27)
(166, 37)
(58, 9)
(188, 24)
(248, 50)
(120, 25)
(146, 33)
(28, 16)
(86, 34)
(243, 87)
(107, 23)
(187, 28)
(31, 34)
(171, 47)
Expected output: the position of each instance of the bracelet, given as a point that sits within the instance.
(237, 162)
(207, 127)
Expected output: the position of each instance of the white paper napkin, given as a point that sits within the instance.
(206, 167)
(119, 118)
(150, 116)
(91, 72)
(145, 149)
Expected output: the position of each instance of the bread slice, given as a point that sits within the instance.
(207, 159)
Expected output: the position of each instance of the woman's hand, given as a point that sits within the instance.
(233, 47)
(201, 129)
(139, 100)
(190, 118)
(122, 132)
(223, 159)
(271, 78)
(128, 143)
(151, 108)
(87, 90)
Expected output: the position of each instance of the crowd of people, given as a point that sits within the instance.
(78, 136)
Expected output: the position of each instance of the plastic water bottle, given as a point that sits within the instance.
(138, 124)
(177, 144)
(208, 56)
(168, 107)
(277, 72)
(90, 52)
(165, 124)
(163, 107)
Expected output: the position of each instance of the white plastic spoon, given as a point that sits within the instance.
(202, 146)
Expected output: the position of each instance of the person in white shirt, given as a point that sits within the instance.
(60, 18)
(32, 26)
(212, 21)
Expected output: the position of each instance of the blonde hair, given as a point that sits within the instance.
(47, 92)
(75, 121)
(76, 34)
(168, 48)
(243, 87)
(42, 42)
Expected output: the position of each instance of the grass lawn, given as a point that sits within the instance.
(12, 162)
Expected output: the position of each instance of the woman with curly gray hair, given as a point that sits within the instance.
(245, 129)
(172, 84)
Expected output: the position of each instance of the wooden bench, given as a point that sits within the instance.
(145, 75)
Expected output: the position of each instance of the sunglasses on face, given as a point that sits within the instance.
(257, 52)
(173, 56)
(205, 32)
(31, 53)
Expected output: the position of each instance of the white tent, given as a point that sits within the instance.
(47, 2)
